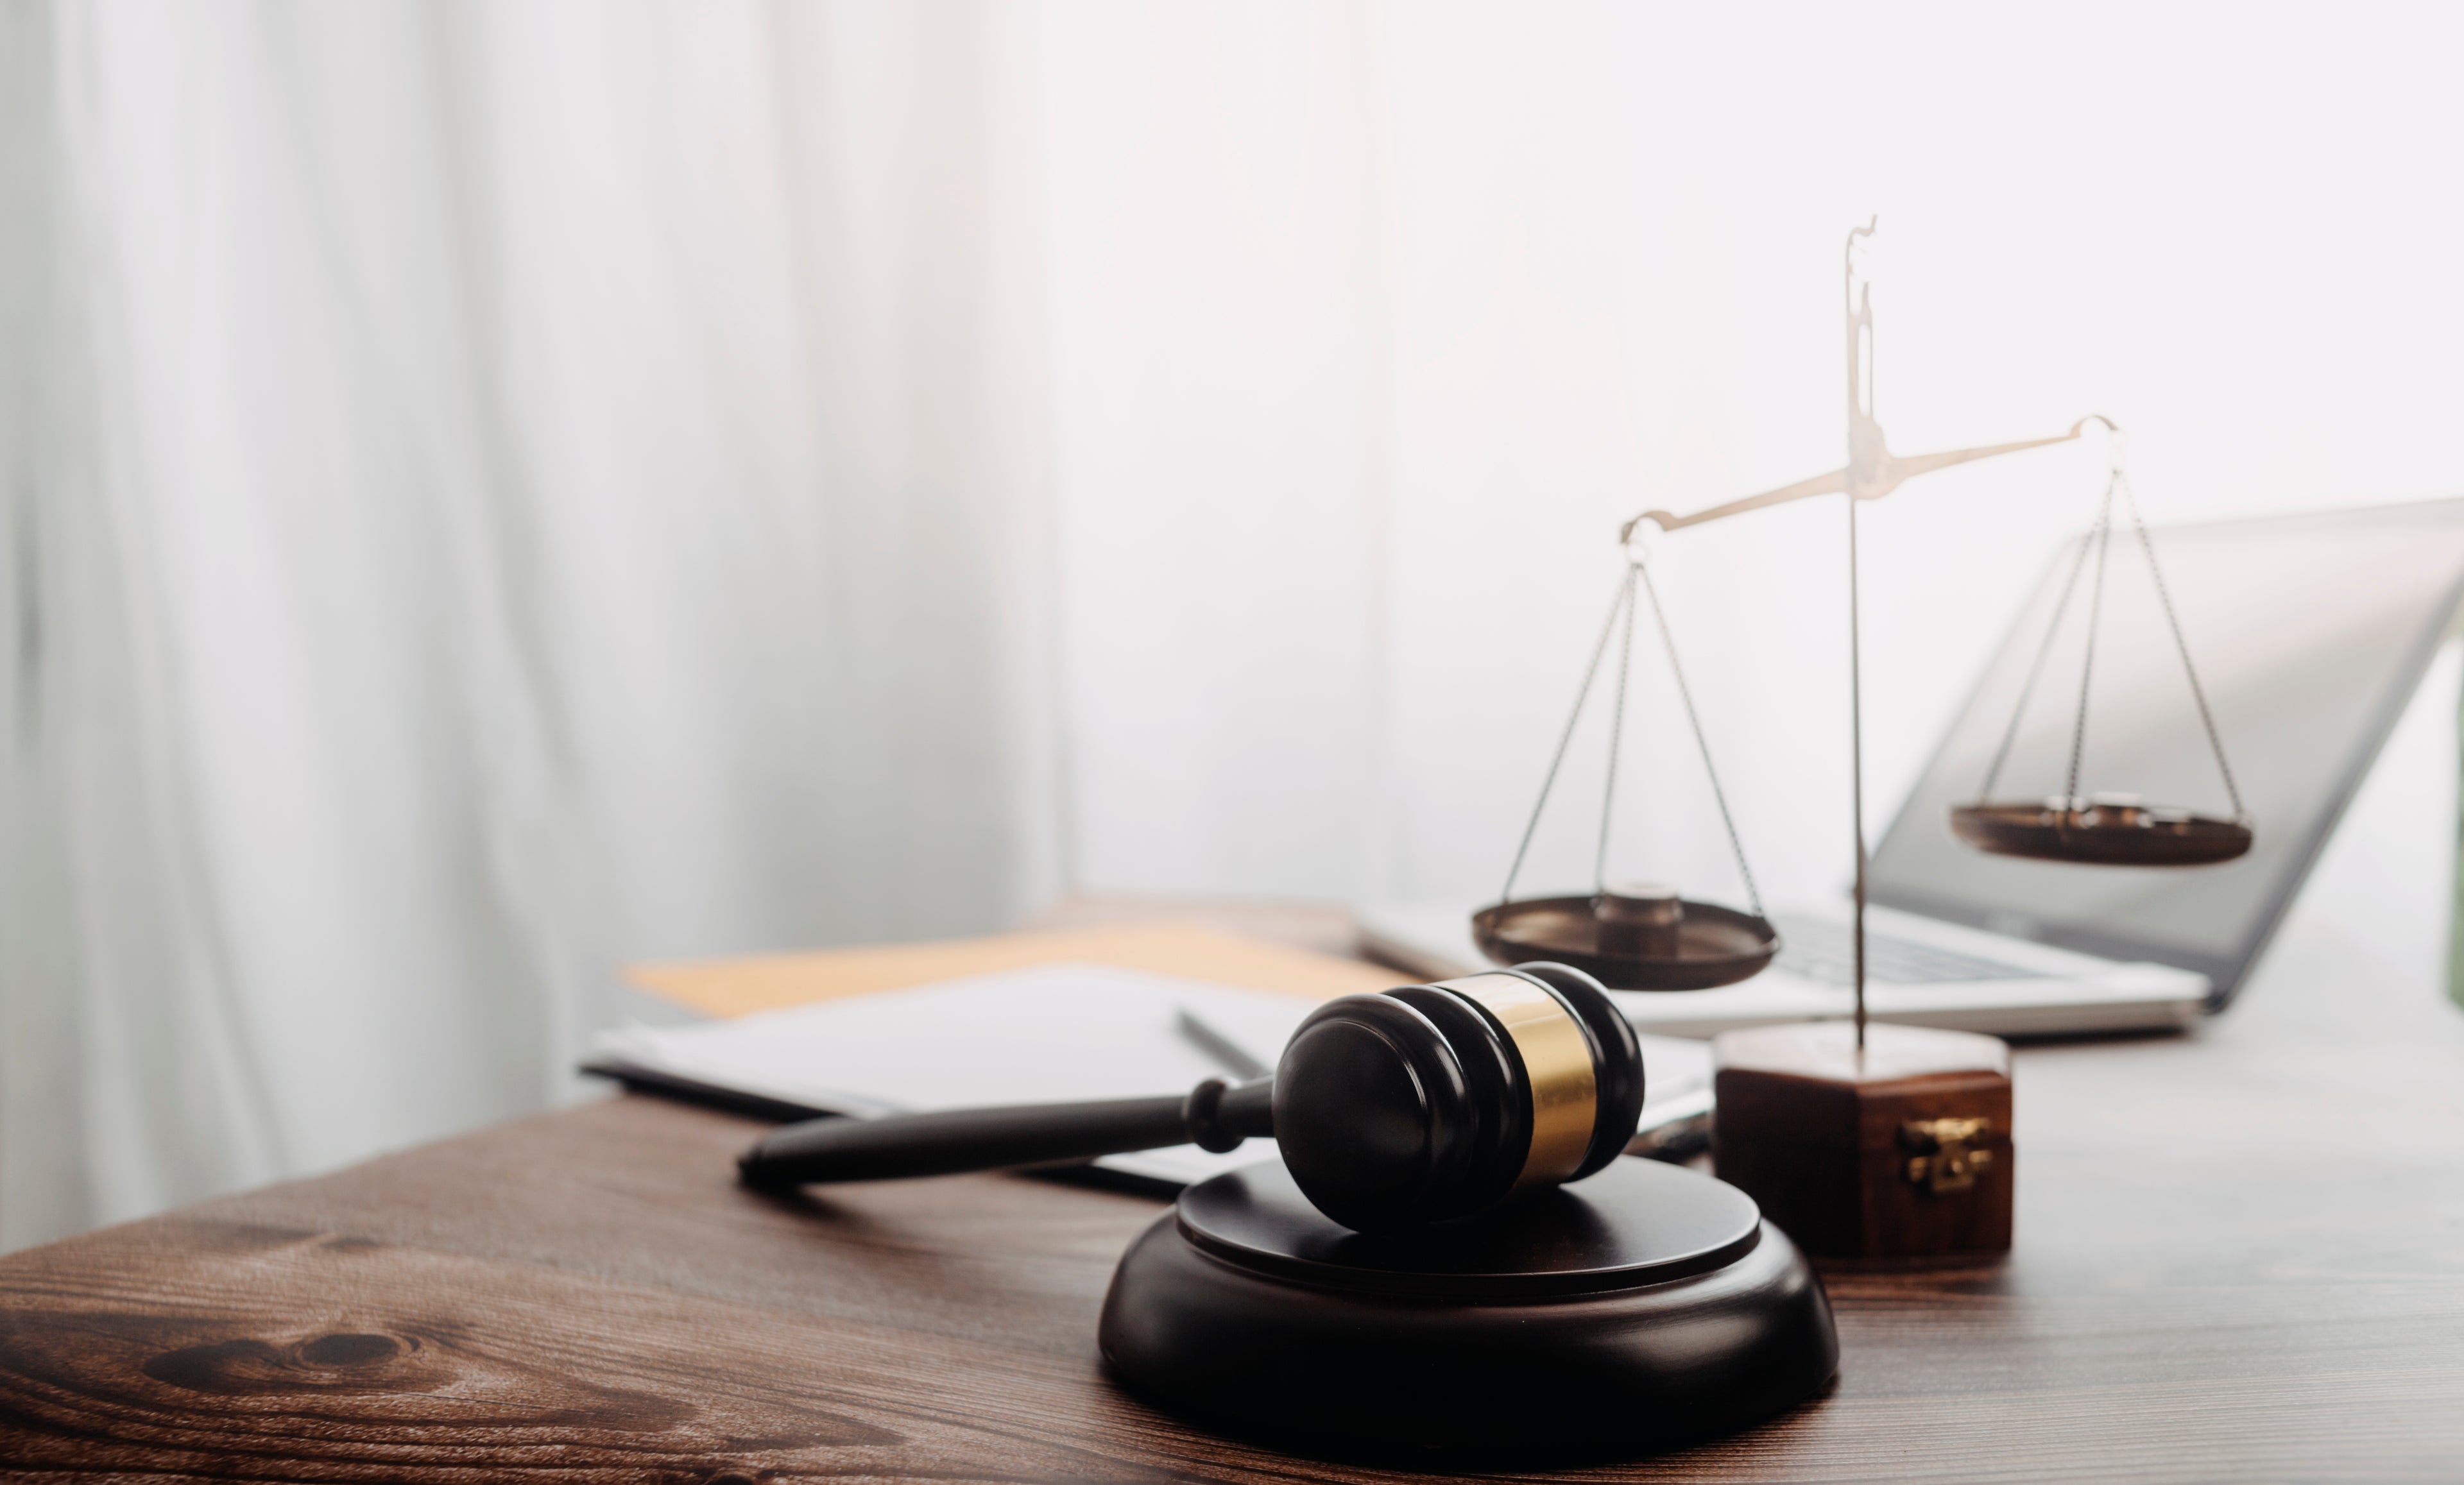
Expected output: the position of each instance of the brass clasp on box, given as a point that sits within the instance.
(1945, 1162)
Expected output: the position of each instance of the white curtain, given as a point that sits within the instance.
(490, 491)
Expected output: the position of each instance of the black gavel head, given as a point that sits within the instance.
(1435, 1102)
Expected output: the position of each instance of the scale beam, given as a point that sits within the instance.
(1889, 472)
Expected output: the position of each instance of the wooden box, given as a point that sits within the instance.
(1900, 1151)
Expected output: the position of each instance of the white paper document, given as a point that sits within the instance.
(1050, 1033)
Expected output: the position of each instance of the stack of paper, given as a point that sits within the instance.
(1048, 1034)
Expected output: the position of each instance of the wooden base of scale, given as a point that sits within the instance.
(1643, 1308)
(1898, 1152)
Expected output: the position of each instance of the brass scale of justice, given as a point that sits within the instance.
(1650, 938)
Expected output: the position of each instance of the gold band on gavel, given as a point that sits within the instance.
(1558, 1062)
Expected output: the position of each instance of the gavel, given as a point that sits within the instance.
(1415, 1105)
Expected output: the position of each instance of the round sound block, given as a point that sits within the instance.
(1641, 1308)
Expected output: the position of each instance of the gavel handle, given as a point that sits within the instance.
(1214, 1116)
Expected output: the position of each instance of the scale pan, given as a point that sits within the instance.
(2100, 833)
(1715, 946)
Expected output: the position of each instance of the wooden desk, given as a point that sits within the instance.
(2240, 1256)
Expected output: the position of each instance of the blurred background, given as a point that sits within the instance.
(493, 491)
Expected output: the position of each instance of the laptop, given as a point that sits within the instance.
(2310, 632)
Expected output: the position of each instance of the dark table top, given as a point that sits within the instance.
(2240, 1256)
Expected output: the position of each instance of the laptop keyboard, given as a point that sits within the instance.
(1824, 951)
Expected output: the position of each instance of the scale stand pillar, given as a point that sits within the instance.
(1869, 1140)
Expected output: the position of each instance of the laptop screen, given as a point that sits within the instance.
(2309, 633)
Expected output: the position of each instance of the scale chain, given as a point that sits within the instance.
(1622, 606)
(2104, 539)
(1702, 744)
(2036, 672)
(1616, 733)
(2198, 693)
(1565, 740)
(2095, 542)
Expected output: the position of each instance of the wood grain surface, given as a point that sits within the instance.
(2240, 1256)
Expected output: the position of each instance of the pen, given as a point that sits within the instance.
(1228, 1054)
